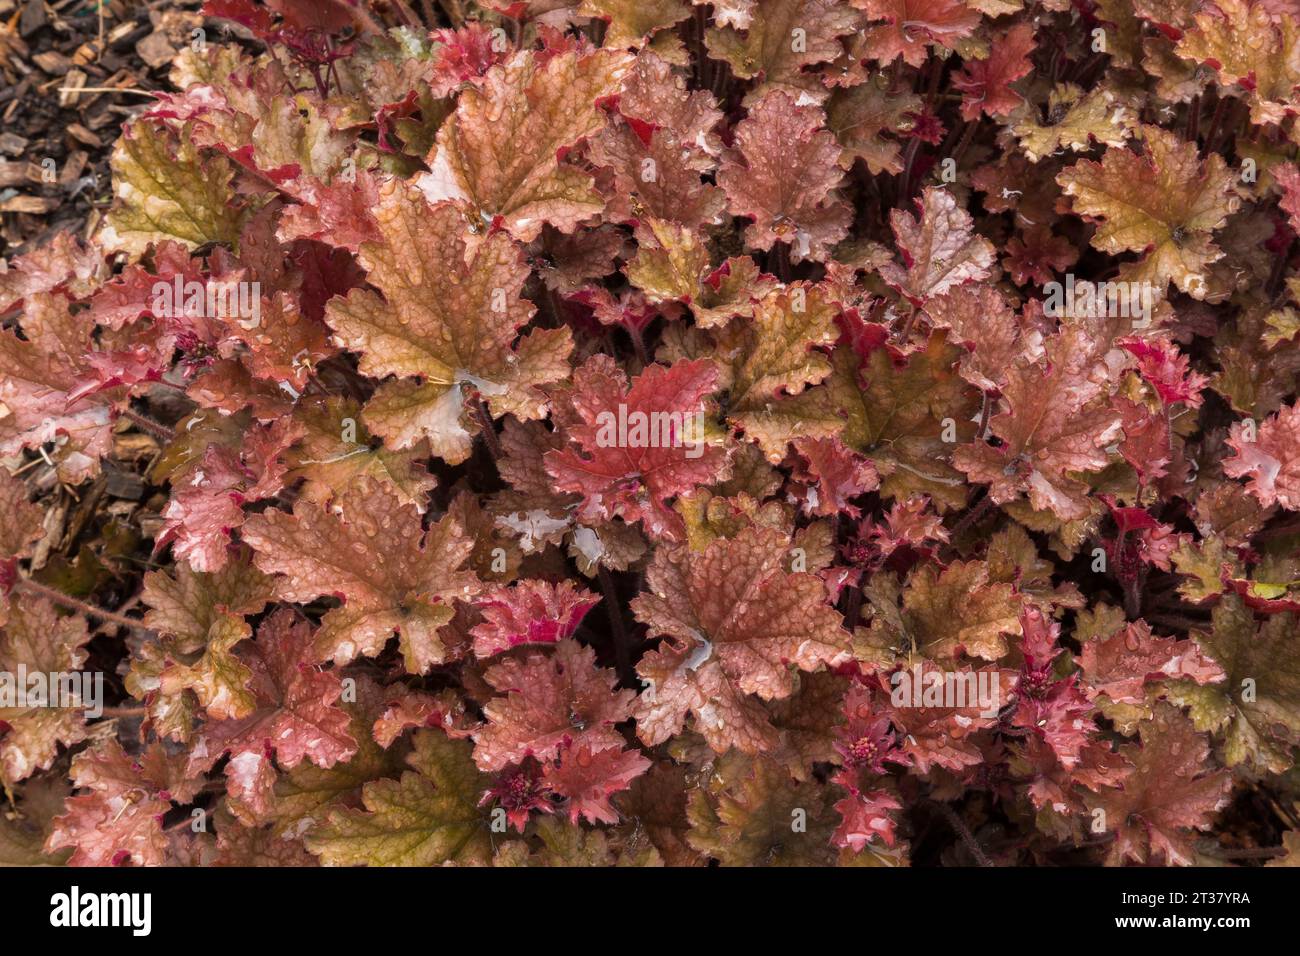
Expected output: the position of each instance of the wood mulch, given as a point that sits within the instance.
(71, 71)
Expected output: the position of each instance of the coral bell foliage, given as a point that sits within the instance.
(759, 432)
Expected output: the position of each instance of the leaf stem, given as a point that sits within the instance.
(454, 13)
(967, 135)
(963, 831)
(488, 429)
(1278, 531)
(1216, 119)
(1132, 586)
(1243, 853)
(853, 606)
(1176, 621)
(905, 332)
(973, 515)
(406, 13)
(1279, 270)
(904, 179)
(1194, 119)
(365, 21)
(621, 649)
(779, 261)
(145, 423)
(638, 344)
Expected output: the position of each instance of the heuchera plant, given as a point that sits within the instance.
(912, 384)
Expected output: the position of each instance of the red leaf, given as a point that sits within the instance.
(986, 84)
(550, 701)
(297, 716)
(1044, 438)
(588, 779)
(1270, 459)
(866, 816)
(208, 503)
(639, 445)
(939, 247)
(736, 620)
(833, 474)
(782, 174)
(1121, 665)
(121, 818)
(368, 547)
(530, 612)
(911, 25)
(1166, 370)
(1168, 794)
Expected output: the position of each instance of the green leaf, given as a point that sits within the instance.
(753, 814)
(565, 845)
(1258, 707)
(166, 190)
(429, 816)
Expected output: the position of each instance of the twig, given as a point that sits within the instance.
(27, 467)
(73, 604)
(1287, 818)
(107, 89)
(124, 711)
